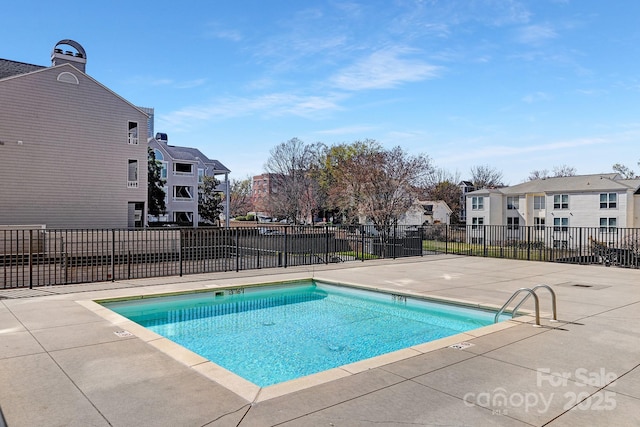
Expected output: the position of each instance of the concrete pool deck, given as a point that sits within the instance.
(63, 364)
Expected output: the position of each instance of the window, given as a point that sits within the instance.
(133, 133)
(538, 223)
(477, 203)
(513, 223)
(132, 174)
(561, 201)
(182, 192)
(560, 224)
(182, 169)
(200, 176)
(608, 225)
(539, 202)
(513, 202)
(476, 221)
(183, 217)
(163, 170)
(608, 200)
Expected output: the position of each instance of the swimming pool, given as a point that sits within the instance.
(271, 334)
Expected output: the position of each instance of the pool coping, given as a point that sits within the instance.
(254, 393)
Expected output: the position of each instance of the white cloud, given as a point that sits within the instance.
(216, 30)
(536, 97)
(190, 84)
(347, 130)
(384, 69)
(536, 34)
(232, 35)
(501, 151)
(270, 105)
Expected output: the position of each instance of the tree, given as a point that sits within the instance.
(564, 170)
(155, 191)
(451, 193)
(625, 171)
(484, 176)
(558, 171)
(291, 166)
(240, 197)
(209, 200)
(339, 183)
(381, 185)
(538, 174)
(443, 185)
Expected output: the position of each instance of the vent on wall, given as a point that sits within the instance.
(67, 77)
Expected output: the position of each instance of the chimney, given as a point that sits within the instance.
(162, 137)
(78, 58)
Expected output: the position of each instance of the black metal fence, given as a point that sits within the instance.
(576, 245)
(42, 257)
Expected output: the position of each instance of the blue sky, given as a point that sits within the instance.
(516, 85)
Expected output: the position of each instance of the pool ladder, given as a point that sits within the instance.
(529, 292)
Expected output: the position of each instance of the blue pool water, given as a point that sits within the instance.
(273, 334)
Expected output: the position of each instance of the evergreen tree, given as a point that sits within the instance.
(209, 200)
(155, 191)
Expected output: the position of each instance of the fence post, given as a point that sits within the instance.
(237, 250)
(285, 247)
(484, 240)
(446, 238)
(326, 246)
(395, 239)
(580, 245)
(30, 260)
(113, 254)
(362, 240)
(180, 251)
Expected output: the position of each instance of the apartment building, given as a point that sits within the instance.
(603, 202)
(183, 170)
(73, 153)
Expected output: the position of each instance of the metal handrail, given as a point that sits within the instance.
(553, 301)
(515, 294)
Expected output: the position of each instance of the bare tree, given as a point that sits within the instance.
(240, 197)
(538, 174)
(564, 170)
(558, 171)
(625, 171)
(440, 175)
(290, 165)
(485, 176)
(381, 185)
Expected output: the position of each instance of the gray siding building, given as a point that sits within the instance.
(73, 154)
(183, 170)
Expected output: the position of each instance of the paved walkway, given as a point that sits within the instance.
(62, 364)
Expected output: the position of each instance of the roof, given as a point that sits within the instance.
(569, 184)
(442, 203)
(10, 68)
(192, 154)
